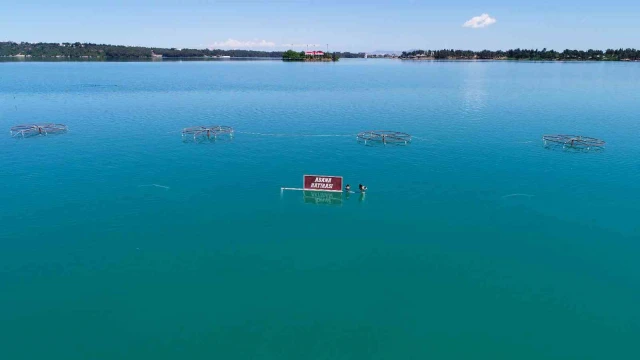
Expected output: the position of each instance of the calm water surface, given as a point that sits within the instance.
(474, 242)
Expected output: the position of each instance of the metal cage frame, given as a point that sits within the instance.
(384, 137)
(29, 130)
(206, 133)
(575, 142)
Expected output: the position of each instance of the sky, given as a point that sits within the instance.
(343, 25)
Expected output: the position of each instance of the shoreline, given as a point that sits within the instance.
(520, 60)
(75, 59)
(14, 59)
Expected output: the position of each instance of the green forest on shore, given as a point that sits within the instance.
(526, 54)
(102, 51)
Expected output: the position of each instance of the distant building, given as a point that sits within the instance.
(314, 53)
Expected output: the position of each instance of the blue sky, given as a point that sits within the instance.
(347, 25)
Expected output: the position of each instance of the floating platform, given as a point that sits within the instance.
(573, 142)
(383, 137)
(29, 130)
(206, 133)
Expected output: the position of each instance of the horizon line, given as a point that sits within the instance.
(284, 48)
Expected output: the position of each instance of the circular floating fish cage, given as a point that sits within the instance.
(384, 137)
(29, 130)
(206, 133)
(573, 142)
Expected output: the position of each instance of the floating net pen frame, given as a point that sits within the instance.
(206, 133)
(29, 130)
(573, 142)
(384, 137)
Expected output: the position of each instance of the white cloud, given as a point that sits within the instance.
(481, 21)
(237, 44)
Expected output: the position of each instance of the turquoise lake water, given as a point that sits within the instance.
(473, 242)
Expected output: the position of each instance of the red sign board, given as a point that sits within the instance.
(322, 183)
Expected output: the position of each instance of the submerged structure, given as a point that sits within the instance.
(206, 133)
(384, 137)
(573, 142)
(29, 130)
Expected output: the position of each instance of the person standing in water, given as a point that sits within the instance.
(362, 188)
(348, 188)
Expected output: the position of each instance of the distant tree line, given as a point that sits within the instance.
(103, 51)
(350, 55)
(526, 54)
(84, 50)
